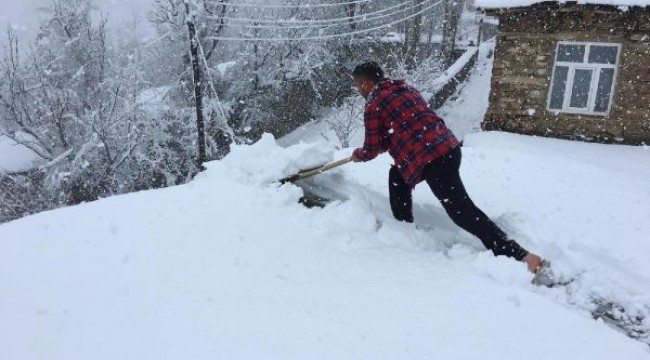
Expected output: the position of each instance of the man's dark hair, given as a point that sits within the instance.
(369, 70)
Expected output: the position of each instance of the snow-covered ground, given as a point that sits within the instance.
(15, 157)
(230, 266)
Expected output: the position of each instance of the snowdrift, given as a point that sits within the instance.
(230, 266)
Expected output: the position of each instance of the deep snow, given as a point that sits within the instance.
(230, 266)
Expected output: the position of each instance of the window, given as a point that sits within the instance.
(583, 77)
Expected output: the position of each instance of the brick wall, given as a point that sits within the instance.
(523, 64)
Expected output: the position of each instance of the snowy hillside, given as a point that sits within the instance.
(230, 266)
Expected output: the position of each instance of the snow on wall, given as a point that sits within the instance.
(454, 69)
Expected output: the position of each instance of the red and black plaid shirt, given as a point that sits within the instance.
(398, 120)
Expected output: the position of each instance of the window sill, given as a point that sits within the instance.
(578, 112)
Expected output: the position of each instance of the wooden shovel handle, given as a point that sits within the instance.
(315, 171)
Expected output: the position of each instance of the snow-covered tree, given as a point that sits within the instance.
(79, 102)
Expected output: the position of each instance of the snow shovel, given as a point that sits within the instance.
(303, 174)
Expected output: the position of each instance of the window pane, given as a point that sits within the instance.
(604, 92)
(580, 89)
(571, 53)
(558, 87)
(602, 54)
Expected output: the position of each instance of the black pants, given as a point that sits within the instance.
(443, 178)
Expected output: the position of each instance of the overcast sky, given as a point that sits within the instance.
(23, 15)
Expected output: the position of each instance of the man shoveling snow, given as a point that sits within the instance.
(398, 120)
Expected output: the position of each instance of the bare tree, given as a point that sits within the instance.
(412, 35)
(76, 100)
(453, 10)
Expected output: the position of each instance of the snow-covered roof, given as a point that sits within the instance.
(496, 4)
(15, 157)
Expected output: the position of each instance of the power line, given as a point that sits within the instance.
(331, 36)
(287, 6)
(308, 22)
(338, 23)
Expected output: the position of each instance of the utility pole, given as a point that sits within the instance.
(198, 84)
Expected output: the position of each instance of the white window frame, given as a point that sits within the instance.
(595, 77)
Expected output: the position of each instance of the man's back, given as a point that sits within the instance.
(407, 127)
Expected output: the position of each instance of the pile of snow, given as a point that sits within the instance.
(15, 157)
(266, 162)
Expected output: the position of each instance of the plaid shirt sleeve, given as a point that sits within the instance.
(375, 137)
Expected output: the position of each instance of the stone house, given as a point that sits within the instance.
(571, 70)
